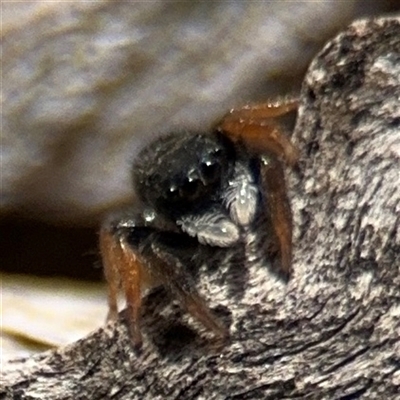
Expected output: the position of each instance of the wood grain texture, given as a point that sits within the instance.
(333, 332)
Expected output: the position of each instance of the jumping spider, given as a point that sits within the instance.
(197, 193)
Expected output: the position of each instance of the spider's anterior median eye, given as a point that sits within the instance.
(210, 171)
(173, 193)
(191, 189)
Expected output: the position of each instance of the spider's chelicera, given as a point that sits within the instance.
(199, 193)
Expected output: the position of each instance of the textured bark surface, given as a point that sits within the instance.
(333, 332)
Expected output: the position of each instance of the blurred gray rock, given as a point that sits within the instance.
(87, 84)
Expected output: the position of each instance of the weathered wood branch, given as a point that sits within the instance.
(333, 332)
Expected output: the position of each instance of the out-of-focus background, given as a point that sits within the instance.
(85, 85)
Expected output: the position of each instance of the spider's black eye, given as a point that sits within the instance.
(173, 193)
(191, 189)
(210, 171)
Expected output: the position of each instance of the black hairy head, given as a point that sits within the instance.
(181, 172)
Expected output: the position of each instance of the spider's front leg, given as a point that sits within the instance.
(123, 268)
(258, 130)
(140, 253)
(171, 254)
(277, 202)
(257, 126)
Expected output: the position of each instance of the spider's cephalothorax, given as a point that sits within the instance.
(181, 172)
(199, 193)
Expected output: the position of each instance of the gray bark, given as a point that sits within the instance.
(333, 332)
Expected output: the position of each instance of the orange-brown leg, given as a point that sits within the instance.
(262, 138)
(112, 257)
(180, 283)
(265, 110)
(132, 280)
(197, 307)
(257, 127)
(274, 188)
(122, 266)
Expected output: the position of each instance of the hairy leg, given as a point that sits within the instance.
(171, 267)
(123, 268)
(274, 189)
(138, 257)
(111, 254)
(265, 110)
(257, 127)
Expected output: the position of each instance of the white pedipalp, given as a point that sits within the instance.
(212, 228)
(241, 196)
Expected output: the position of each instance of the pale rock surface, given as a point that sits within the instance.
(40, 313)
